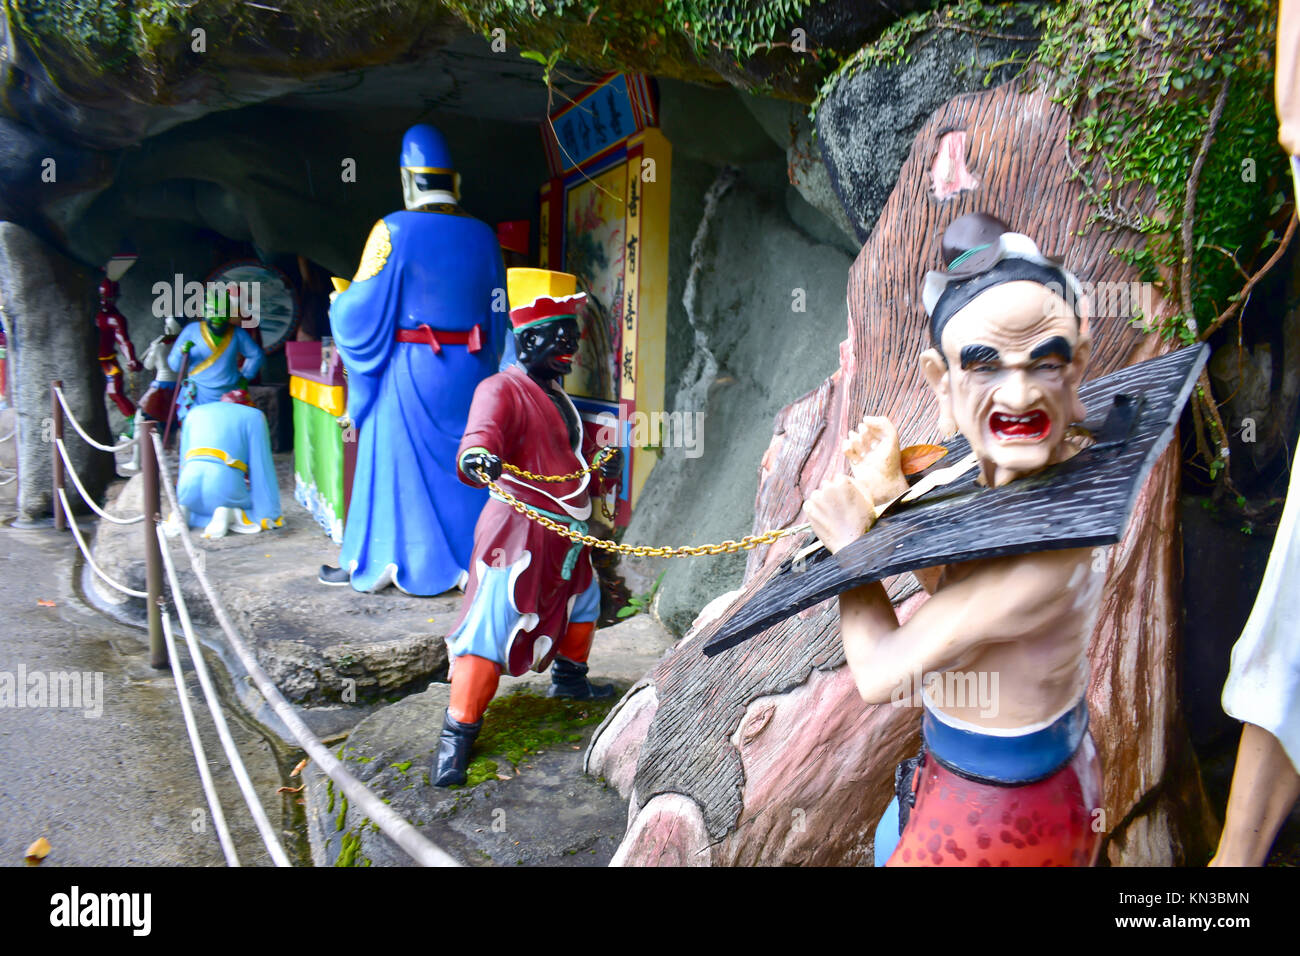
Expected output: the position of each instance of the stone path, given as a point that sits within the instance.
(114, 784)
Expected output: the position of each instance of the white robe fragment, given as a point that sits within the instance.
(1263, 686)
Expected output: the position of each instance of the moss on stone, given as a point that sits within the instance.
(148, 48)
(343, 815)
(517, 726)
(148, 45)
(349, 849)
(665, 37)
(480, 769)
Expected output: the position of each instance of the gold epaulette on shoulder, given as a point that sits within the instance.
(375, 256)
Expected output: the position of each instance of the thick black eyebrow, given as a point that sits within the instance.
(978, 355)
(1056, 345)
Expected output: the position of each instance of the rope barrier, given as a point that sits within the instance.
(113, 449)
(12, 432)
(196, 658)
(81, 489)
(218, 718)
(200, 756)
(85, 551)
(400, 831)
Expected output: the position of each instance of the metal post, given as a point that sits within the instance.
(153, 566)
(60, 521)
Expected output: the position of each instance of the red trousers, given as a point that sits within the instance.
(474, 679)
(962, 822)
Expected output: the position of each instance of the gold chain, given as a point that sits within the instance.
(596, 462)
(600, 459)
(746, 543)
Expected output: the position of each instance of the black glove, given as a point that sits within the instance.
(612, 467)
(474, 462)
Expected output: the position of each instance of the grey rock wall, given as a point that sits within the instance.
(44, 181)
(749, 354)
(788, 126)
(866, 124)
(48, 307)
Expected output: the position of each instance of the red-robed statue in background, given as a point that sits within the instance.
(114, 337)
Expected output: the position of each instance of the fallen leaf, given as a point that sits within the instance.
(430, 620)
(301, 803)
(46, 604)
(38, 851)
(298, 769)
(290, 789)
(504, 777)
(917, 458)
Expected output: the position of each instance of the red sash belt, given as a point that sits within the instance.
(437, 338)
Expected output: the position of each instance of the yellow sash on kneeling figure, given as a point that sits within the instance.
(219, 455)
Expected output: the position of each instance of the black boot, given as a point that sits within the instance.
(569, 679)
(453, 751)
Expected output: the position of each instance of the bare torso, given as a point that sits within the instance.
(1018, 665)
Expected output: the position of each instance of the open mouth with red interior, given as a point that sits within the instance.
(1028, 427)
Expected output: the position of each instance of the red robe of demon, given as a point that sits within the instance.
(533, 597)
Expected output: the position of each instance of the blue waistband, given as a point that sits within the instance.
(1006, 758)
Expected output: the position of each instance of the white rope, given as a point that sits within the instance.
(10, 480)
(86, 497)
(200, 757)
(218, 718)
(397, 829)
(81, 543)
(82, 432)
(12, 432)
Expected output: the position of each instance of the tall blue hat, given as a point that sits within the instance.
(425, 151)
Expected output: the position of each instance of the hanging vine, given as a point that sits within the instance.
(1173, 136)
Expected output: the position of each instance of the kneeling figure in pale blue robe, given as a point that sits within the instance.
(227, 480)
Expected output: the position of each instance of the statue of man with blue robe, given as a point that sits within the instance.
(223, 356)
(227, 479)
(424, 320)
